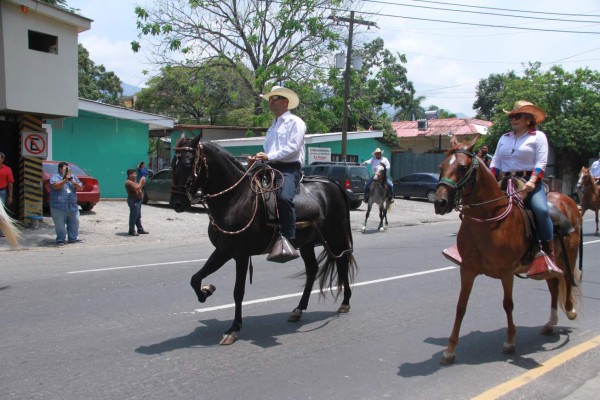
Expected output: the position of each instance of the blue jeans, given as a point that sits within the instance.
(538, 202)
(285, 198)
(3, 195)
(135, 214)
(63, 218)
(388, 182)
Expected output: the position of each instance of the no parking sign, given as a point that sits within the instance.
(34, 144)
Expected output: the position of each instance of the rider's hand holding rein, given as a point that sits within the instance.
(530, 185)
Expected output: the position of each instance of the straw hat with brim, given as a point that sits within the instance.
(292, 97)
(526, 107)
(377, 150)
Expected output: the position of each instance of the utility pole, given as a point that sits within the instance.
(352, 21)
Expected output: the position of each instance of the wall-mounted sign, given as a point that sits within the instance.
(34, 144)
(318, 154)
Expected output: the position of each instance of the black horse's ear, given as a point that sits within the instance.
(196, 140)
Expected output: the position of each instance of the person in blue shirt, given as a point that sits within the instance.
(142, 171)
(63, 205)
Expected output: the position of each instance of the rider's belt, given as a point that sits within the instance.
(295, 164)
(519, 174)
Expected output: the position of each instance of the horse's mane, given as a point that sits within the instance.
(592, 182)
(220, 152)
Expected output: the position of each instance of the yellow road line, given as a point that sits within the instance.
(533, 374)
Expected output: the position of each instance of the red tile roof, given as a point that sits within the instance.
(445, 126)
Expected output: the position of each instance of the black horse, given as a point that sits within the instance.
(239, 228)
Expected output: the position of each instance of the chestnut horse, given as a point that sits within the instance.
(238, 225)
(8, 226)
(590, 200)
(491, 239)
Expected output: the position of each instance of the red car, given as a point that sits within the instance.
(86, 198)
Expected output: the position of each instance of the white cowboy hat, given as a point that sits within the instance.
(526, 107)
(293, 99)
(377, 150)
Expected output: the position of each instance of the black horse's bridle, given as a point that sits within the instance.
(189, 189)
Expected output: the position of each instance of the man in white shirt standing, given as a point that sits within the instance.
(284, 150)
(595, 168)
(375, 162)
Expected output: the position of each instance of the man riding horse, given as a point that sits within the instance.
(284, 151)
(375, 163)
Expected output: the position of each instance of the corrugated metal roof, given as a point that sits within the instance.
(445, 126)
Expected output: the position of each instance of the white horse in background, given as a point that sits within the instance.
(8, 226)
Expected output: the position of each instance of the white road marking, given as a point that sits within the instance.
(286, 296)
(136, 266)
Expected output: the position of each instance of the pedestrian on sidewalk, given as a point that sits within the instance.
(63, 204)
(135, 196)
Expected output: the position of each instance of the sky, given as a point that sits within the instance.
(450, 47)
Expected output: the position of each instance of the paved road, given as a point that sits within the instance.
(120, 322)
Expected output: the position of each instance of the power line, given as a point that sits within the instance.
(478, 12)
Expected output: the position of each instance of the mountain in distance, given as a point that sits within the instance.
(129, 90)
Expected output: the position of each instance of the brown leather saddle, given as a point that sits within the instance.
(562, 225)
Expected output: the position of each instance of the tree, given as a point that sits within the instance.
(570, 101)
(207, 95)
(95, 82)
(489, 91)
(441, 113)
(276, 40)
(412, 110)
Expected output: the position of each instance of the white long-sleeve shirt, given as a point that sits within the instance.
(595, 169)
(526, 153)
(374, 162)
(285, 139)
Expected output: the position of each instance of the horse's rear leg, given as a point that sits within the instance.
(310, 264)
(466, 284)
(214, 262)
(241, 269)
(343, 269)
(596, 213)
(548, 328)
(507, 303)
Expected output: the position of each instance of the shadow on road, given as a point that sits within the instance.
(261, 331)
(477, 347)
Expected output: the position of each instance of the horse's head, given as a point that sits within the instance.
(584, 178)
(381, 174)
(184, 168)
(457, 172)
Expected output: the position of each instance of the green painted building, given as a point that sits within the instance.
(104, 140)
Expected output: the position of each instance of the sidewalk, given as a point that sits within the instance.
(107, 224)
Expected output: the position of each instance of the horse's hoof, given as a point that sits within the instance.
(295, 315)
(571, 314)
(381, 229)
(448, 358)
(508, 348)
(344, 309)
(208, 290)
(228, 338)
(363, 229)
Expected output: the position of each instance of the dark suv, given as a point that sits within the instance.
(349, 175)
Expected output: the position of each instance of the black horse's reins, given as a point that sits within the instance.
(255, 184)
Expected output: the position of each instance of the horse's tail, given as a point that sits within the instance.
(338, 267)
(9, 228)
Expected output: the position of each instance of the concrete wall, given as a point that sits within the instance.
(33, 81)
